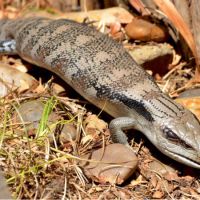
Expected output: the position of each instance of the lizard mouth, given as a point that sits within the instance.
(185, 160)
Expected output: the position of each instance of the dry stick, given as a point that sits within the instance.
(173, 70)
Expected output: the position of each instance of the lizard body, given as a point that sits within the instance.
(104, 73)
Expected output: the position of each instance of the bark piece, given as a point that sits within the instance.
(173, 15)
(183, 8)
(195, 14)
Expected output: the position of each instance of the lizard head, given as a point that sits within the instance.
(177, 136)
(174, 130)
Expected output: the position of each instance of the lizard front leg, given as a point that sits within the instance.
(117, 126)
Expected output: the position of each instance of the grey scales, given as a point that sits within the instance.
(104, 73)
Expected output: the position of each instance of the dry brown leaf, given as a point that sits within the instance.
(138, 181)
(154, 180)
(93, 125)
(187, 178)
(158, 194)
(57, 89)
(39, 89)
(171, 176)
(194, 193)
(198, 190)
(159, 185)
(167, 186)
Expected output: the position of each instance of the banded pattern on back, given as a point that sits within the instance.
(92, 63)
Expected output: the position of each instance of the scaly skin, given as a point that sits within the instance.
(104, 73)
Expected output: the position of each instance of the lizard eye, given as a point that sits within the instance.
(170, 135)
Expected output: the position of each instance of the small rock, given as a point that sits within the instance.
(68, 133)
(12, 79)
(143, 30)
(30, 113)
(5, 193)
(113, 164)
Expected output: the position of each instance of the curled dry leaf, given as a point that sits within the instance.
(160, 168)
(198, 190)
(93, 125)
(87, 138)
(39, 89)
(154, 181)
(115, 31)
(171, 176)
